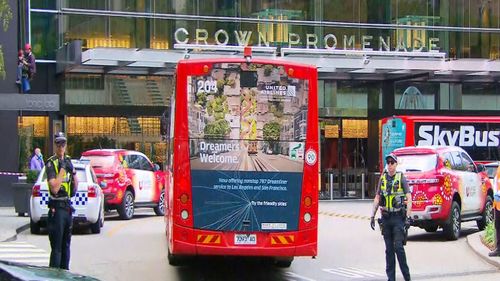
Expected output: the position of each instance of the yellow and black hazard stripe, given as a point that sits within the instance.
(208, 239)
(282, 239)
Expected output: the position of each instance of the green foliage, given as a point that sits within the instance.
(489, 236)
(218, 107)
(276, 108)
(5, 17)
(31, 176)
(201, 98)
(217, 130)
(272, 131)
(2, 64)
(5, 14)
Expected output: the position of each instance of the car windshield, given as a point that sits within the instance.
(100, 161)
(417, 163)
(81, 175)
(491, 171)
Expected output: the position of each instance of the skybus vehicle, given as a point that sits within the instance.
(221, 200)
(479, 136)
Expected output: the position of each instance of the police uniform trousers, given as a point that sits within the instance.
(497, 227)
(393, 232)
(60, 225)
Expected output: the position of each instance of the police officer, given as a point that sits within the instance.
(391, 194)
(62, 183)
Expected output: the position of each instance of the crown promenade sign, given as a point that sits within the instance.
(307, 41)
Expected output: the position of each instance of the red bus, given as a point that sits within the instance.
(233, 188)
(478, 135)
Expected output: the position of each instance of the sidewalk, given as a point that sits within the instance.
(11, 224)
(474, 241)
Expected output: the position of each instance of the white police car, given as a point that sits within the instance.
(88, 201)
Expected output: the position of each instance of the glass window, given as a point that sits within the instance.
(480, 96)
(101, 162)
(81, 175)
(447, 160)
(44, 4)
(44, 35)
(412, 95)
(467, 162)
(417, 163)
(457, 161)
(144, 163)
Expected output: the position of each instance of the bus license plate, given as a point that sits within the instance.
(245, 239)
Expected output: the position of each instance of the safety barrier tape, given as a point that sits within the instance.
(11, 174)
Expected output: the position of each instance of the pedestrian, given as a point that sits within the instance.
(29, 57)
(63, 183)
(21, 66)
(496, 206)
(391, 193)
(36, 161)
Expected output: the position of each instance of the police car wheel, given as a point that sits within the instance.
(34, 227)
(96, 227)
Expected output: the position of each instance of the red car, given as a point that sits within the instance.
(129, 180)
(447, 188)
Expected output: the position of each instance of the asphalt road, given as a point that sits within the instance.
(348, 250)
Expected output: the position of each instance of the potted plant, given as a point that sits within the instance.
(21, 192)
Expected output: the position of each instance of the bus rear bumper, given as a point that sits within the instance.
(194, 242)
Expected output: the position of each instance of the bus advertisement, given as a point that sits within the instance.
(235, 189)
(478, 135)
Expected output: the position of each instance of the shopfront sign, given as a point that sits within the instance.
(29, 102)
(330, 41)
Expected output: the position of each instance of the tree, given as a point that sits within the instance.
(271, 132)
(217, 129)
(5, 17)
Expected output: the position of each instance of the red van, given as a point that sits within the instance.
(128, 179)
(447, 188)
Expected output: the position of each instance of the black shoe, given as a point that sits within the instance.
(495, 253)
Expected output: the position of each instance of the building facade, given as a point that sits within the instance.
(112, 64)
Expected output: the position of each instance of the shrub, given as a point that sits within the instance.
(31, 176)
(489, 236)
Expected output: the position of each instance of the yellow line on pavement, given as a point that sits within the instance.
(350, 216)
(117, 228)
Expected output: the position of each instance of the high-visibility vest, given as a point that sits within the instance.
(496, 190)
(389, 196)
(66, 184)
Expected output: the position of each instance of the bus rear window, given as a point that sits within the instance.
(417, 163)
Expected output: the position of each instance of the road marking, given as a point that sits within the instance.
(296, 277)
(349, 216)
(352, 272)
(24, 253)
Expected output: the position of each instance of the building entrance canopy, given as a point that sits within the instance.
(342, 64)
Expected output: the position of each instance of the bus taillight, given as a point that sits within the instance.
(184, 198)
(307, 201)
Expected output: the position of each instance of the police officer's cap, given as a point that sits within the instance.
(59, 138)
(391, 156)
